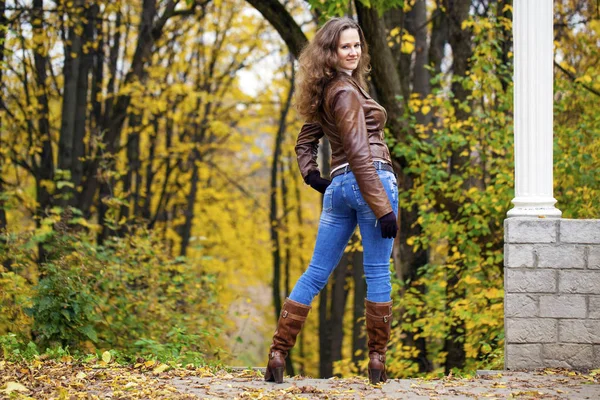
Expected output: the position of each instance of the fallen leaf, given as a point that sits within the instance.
(527, 393)
(14, 387)
(160, 368)
(106, 357)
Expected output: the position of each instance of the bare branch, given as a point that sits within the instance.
(574, 79)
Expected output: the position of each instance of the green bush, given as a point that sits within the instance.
(128, 294)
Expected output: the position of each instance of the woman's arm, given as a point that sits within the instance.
(350, 122)
(307, 148)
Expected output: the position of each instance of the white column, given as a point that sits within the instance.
(533, 99)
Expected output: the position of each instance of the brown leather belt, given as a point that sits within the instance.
(377, 164)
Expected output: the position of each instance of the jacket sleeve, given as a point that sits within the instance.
(349, 119)
(307, 148)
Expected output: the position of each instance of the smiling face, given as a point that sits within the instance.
(348, 49)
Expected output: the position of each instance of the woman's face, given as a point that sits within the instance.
(348, 49)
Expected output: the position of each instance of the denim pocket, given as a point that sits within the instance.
(358, 195)
(328, 199)
(393, 179)
(393, 187)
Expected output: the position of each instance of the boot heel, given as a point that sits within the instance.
(375, 376)
(278, 374)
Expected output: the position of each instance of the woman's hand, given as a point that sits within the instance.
(316, 182)
(389, 227)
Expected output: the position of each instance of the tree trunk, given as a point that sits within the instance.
(45, 168)
(359, 340)
(273, 209)
(71, 70)
(301, 256)
(133, 166)
(325, 370)
(101, 113)
(439, 38)
(85, 65)
(190, 202)
(146, 213)
(339, 295)
(282, 21)
(105, 193)
(3, 219)
(396, 18)
(384, 73)
(506, 36)
(417, 26)
(285, 220)
(284, 230)
(324, 326)
(460, 41)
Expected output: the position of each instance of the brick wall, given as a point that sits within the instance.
(552, 293)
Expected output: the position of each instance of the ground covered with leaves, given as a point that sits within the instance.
(68, 378)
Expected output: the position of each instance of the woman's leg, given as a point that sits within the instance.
(336, 225)
(377, 250)
(376, 254)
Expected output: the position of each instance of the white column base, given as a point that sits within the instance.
(534, 207)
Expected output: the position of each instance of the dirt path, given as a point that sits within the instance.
(547, 384)
(68, 379)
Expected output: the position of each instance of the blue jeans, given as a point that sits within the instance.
(343, 208)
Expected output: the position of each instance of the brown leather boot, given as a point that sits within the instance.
(291, 319)
(379, 325)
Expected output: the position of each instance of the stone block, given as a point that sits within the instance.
(523, 356)
(560, 256)
(518, 255)
(580, 231)
(530, 281)
(576, 356)
(596, 357)
(562, 306)
(579, 282)
(579, 331)
(530, 230)
(520, 305)
(594, 307)
(594, 257)
(531, 330)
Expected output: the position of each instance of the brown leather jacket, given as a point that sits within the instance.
(353, 123)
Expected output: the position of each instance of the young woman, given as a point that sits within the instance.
(331, 96)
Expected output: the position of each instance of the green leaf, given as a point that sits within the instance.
(90, 332)
(61, 184)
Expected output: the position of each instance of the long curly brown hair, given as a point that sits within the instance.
(317, 66)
